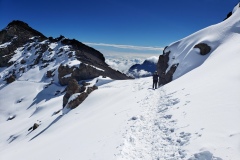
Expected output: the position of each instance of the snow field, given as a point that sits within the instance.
(152, 133)
(195, 117)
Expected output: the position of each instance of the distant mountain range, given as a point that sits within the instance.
(147, 68)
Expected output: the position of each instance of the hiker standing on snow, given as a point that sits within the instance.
(155, 80)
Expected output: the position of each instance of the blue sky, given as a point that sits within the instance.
(117, 26)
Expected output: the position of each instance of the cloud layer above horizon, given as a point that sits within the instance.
(132, 47)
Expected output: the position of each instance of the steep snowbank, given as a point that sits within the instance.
(188, 57)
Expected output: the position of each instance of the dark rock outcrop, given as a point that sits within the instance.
(84, 72)
(91, 89)
(228, 15)
(169, 76)
(81, 97)
(83, 48)
(80, 92)
(10, 79)
(18, 33)
(35, 126)
(77, 101)
(162, 66)
(72, 88)
(50, 73)
(204, 48)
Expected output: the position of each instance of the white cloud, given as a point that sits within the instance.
(126, 46)
(123, 64)
(122, 57)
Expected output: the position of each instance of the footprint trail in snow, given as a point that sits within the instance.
(152, 134)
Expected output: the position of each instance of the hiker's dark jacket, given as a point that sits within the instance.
(155, 77)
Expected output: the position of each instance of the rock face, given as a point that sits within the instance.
(83, 72)
(72, 88)
(83, 49)
(76, 94)
(204, 48)
(228, 15)
(162, 66)
(86, 71)
(18, 33)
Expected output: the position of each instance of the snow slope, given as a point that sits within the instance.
(195, 117)
(188, 57)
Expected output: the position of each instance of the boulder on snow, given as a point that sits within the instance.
(84, 83)
(91, 89)
(10, 79)
(78, 100)
(204, 48)
(35, 126)
(23, 61)
(50, 74)
(11, 117)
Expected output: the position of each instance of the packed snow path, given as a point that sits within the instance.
(152, 134)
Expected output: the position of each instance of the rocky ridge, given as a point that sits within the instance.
(56, 60)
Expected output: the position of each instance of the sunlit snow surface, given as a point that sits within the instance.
(194, 117)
